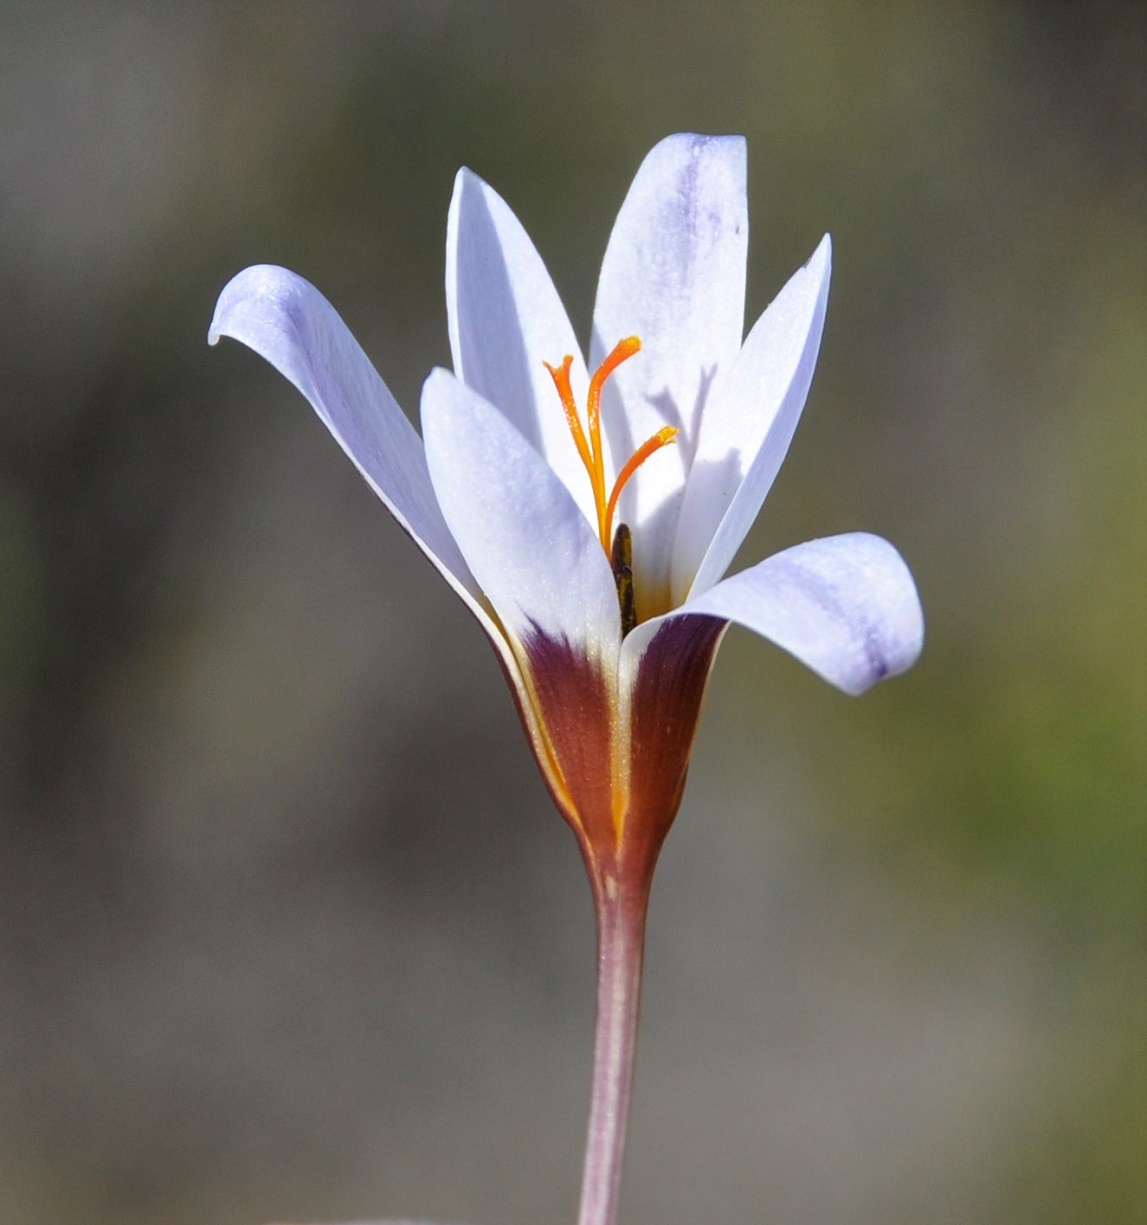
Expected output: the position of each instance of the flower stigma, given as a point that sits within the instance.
(618, 547)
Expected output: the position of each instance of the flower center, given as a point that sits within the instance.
(588, 440)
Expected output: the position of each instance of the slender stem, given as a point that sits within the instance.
(621, 908)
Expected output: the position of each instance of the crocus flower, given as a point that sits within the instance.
(586, 513)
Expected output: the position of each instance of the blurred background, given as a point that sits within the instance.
(288, 927)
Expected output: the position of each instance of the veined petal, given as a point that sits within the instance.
(845, 605)
(289, 323)
(674, 275)
(748, 426)
(506, 320)
(525, 539)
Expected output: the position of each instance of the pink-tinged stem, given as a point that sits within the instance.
(621, 908)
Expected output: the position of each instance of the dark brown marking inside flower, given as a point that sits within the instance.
(575, 707)
(621, 561)
(667, 701)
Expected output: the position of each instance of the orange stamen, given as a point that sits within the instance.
(588, 440)
(664, 436)
(561, 376)
(622, 351)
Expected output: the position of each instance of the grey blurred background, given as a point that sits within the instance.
(288, 927)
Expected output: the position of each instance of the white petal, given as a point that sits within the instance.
(748, 427)
(527, 542)
(674, 275)
(846, 606)
(506, 320)
(288, 322)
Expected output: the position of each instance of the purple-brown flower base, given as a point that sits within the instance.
(614, 752)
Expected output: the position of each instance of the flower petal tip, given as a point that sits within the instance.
(823, 252)
(252, 297)
(887, 616)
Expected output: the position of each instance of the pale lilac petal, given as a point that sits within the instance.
(674, 275)
(846, 606)
(748, 427)
(288, 322)
(525, 539)
(506, 320)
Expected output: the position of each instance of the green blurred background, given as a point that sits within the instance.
(288, 927)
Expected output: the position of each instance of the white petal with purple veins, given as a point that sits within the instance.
(845, 605)
(674, 275)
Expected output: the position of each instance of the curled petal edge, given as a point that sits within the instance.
(288, 322)
(845, 606)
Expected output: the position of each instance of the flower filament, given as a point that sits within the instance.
(588, 439)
